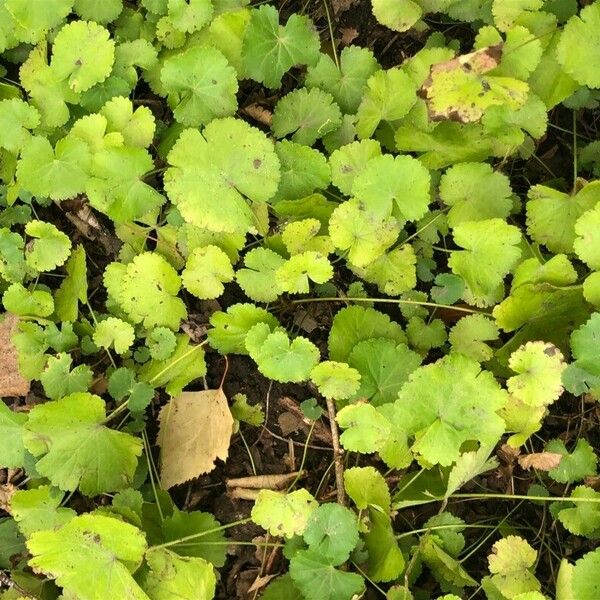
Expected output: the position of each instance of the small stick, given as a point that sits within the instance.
(337, 453)
(257, 482)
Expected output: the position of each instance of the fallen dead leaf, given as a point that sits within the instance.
(195, 430)
(12, 383)
(7, 491)
(340, 6)
(543, 461)
(259, 113)
(349, 34)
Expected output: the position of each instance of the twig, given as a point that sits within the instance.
(337, 454)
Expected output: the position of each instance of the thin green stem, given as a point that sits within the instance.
(439, 527)
(391, 301)
(173, 363)
(151, 472)
(525, 497)
(304, 453)
(330, 25)
(575, 165)
(195, 536)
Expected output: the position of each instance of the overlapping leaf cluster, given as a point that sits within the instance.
(126, 116)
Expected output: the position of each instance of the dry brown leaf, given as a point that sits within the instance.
(543, 461)
(7, 491)
(349, 34)
(12, 383)
(259, 113)
(195, 430)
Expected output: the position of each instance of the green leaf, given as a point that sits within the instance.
(303, 170)
(367, 429)
(577, 59)
(448, 289)
(59, 380)
(384, 367)
(246, 413)
(367, 487)
(575, 465)
(394, 185)
(161, 342)
(350, 160)
(423, 336)
(257, 279)
(300, 236)
(475, 192)
(444, 567)
(491, 250)
(386, 561)
(12, 257)
(346, 83)
(539, 366)
(154, 304)
(185, 365)
(17, 118)
(116, 186)
(101, 11)
(583, 518)
(394, 272)
(39, 508)
(137, 127)
(331, 532)
(318, 579)
(306, 115)
(12, 451)
(283, 514)
(448, 403)
(364, 235)
(77, 451)
(335, 380)
(210, 546)
(83, 53)
(172, 576)
(229, 329)
(354, 324)
(50, 247)
(12, 543)
(213, 173)
(511, 563)
(470, 334)
(448, 530)
(579, 580)
(190, 15)
(20, 301)
(73, 288)
(277, 357)
(282, 587)
(31, 25)
(587, 242)
(399, 16)
(114, 332)
(551, 215)
(389, 96)
(271, 49)
(57, 174)
(295, 274)
(91, 548)
(201, 86)
(505, 14)
(205, 272)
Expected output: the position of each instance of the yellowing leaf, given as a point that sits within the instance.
(195, 429)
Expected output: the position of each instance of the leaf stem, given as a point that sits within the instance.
(391, 301)
(525, 497)
(337, 453)
(195, 536)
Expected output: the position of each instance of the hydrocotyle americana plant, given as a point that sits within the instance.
(184, 179)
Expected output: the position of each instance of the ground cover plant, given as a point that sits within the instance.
(300, 301)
